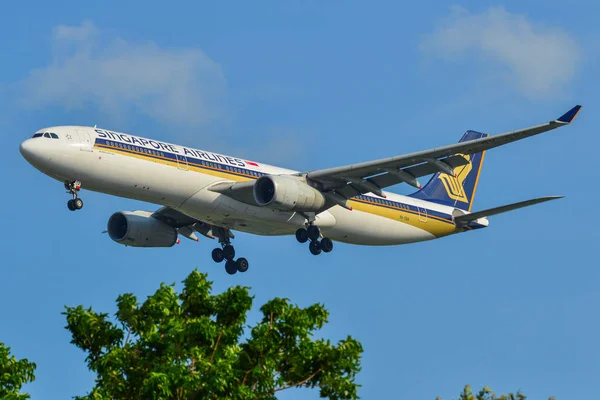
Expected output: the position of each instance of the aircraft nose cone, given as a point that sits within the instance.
(31, 151)
(26, 149)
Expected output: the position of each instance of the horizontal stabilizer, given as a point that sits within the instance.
(466, 218)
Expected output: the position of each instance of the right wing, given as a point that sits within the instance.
(372, 176)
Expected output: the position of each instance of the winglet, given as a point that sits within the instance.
(570, 115)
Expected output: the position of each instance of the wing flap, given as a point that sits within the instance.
(387, 179)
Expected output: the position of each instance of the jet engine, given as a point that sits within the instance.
(287, 193)
(140, 229)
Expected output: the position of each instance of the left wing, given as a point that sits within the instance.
(186, 226)
(372, 176)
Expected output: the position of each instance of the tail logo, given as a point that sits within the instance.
(454, 186)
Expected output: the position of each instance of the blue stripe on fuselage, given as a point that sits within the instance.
(252, 174)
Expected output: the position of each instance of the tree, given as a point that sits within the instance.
(195, 345)
(13, 375)
(487, 394)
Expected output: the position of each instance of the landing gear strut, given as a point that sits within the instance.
(313, 233)
(73, 187)
(227, 253)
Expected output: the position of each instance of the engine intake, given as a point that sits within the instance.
(287, 193)
(140, 229)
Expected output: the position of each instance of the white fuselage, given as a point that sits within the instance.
(177, 176)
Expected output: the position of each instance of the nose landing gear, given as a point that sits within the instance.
(73, 187)
(313, 233)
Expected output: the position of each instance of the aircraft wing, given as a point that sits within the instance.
(186, 226)
(372, 176)
(173, 217)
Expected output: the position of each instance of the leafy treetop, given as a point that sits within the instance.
(13, 375)
(196, 345)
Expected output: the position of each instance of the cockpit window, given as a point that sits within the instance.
(46, 135)
(38, 135)
(53, 135)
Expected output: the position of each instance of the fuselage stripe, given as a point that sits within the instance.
(174, 160)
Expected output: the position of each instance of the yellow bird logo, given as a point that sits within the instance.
(454, 186)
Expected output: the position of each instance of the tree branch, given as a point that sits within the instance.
(302, 382)
(216, 345)
(127, 339)
(245, 376)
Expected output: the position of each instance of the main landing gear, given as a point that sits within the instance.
(313, 233)
(73, 187)
(227, 253)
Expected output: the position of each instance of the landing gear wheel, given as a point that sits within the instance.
(326, 245)
(315, 248)
(313, 232)
(71, 205)
(217, 255)
(242, 264)
(229, 252)
(231, 267)
(78, 203)
(302, 235)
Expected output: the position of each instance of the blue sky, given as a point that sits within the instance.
(318, 84)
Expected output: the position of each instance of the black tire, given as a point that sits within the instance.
(242, 264)
(315, 248)
(231, 267)
(78, 203)
(313, 233)
(326, 245)
(217, 255)
(302, 235)
(71, 205)
(229, 252)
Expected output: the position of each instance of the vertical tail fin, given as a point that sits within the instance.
(456, 191)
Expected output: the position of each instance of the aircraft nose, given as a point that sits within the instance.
(26, 149)
(30, 150)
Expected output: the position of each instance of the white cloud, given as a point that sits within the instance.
(75, 33)
(539, 61)
(171, 85)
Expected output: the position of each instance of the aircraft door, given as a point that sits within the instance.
(422, 211)
(85, 139)
(182, 163)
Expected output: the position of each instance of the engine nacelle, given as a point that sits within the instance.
(287, 193)
(140, 229)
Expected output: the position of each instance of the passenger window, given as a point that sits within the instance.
(54, 135)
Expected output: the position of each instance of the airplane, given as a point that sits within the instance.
(210, 194)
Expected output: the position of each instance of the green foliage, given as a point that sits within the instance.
(487, 394)
(13, 375)
(195, 345)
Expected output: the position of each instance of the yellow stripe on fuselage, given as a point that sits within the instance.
(435, 225)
